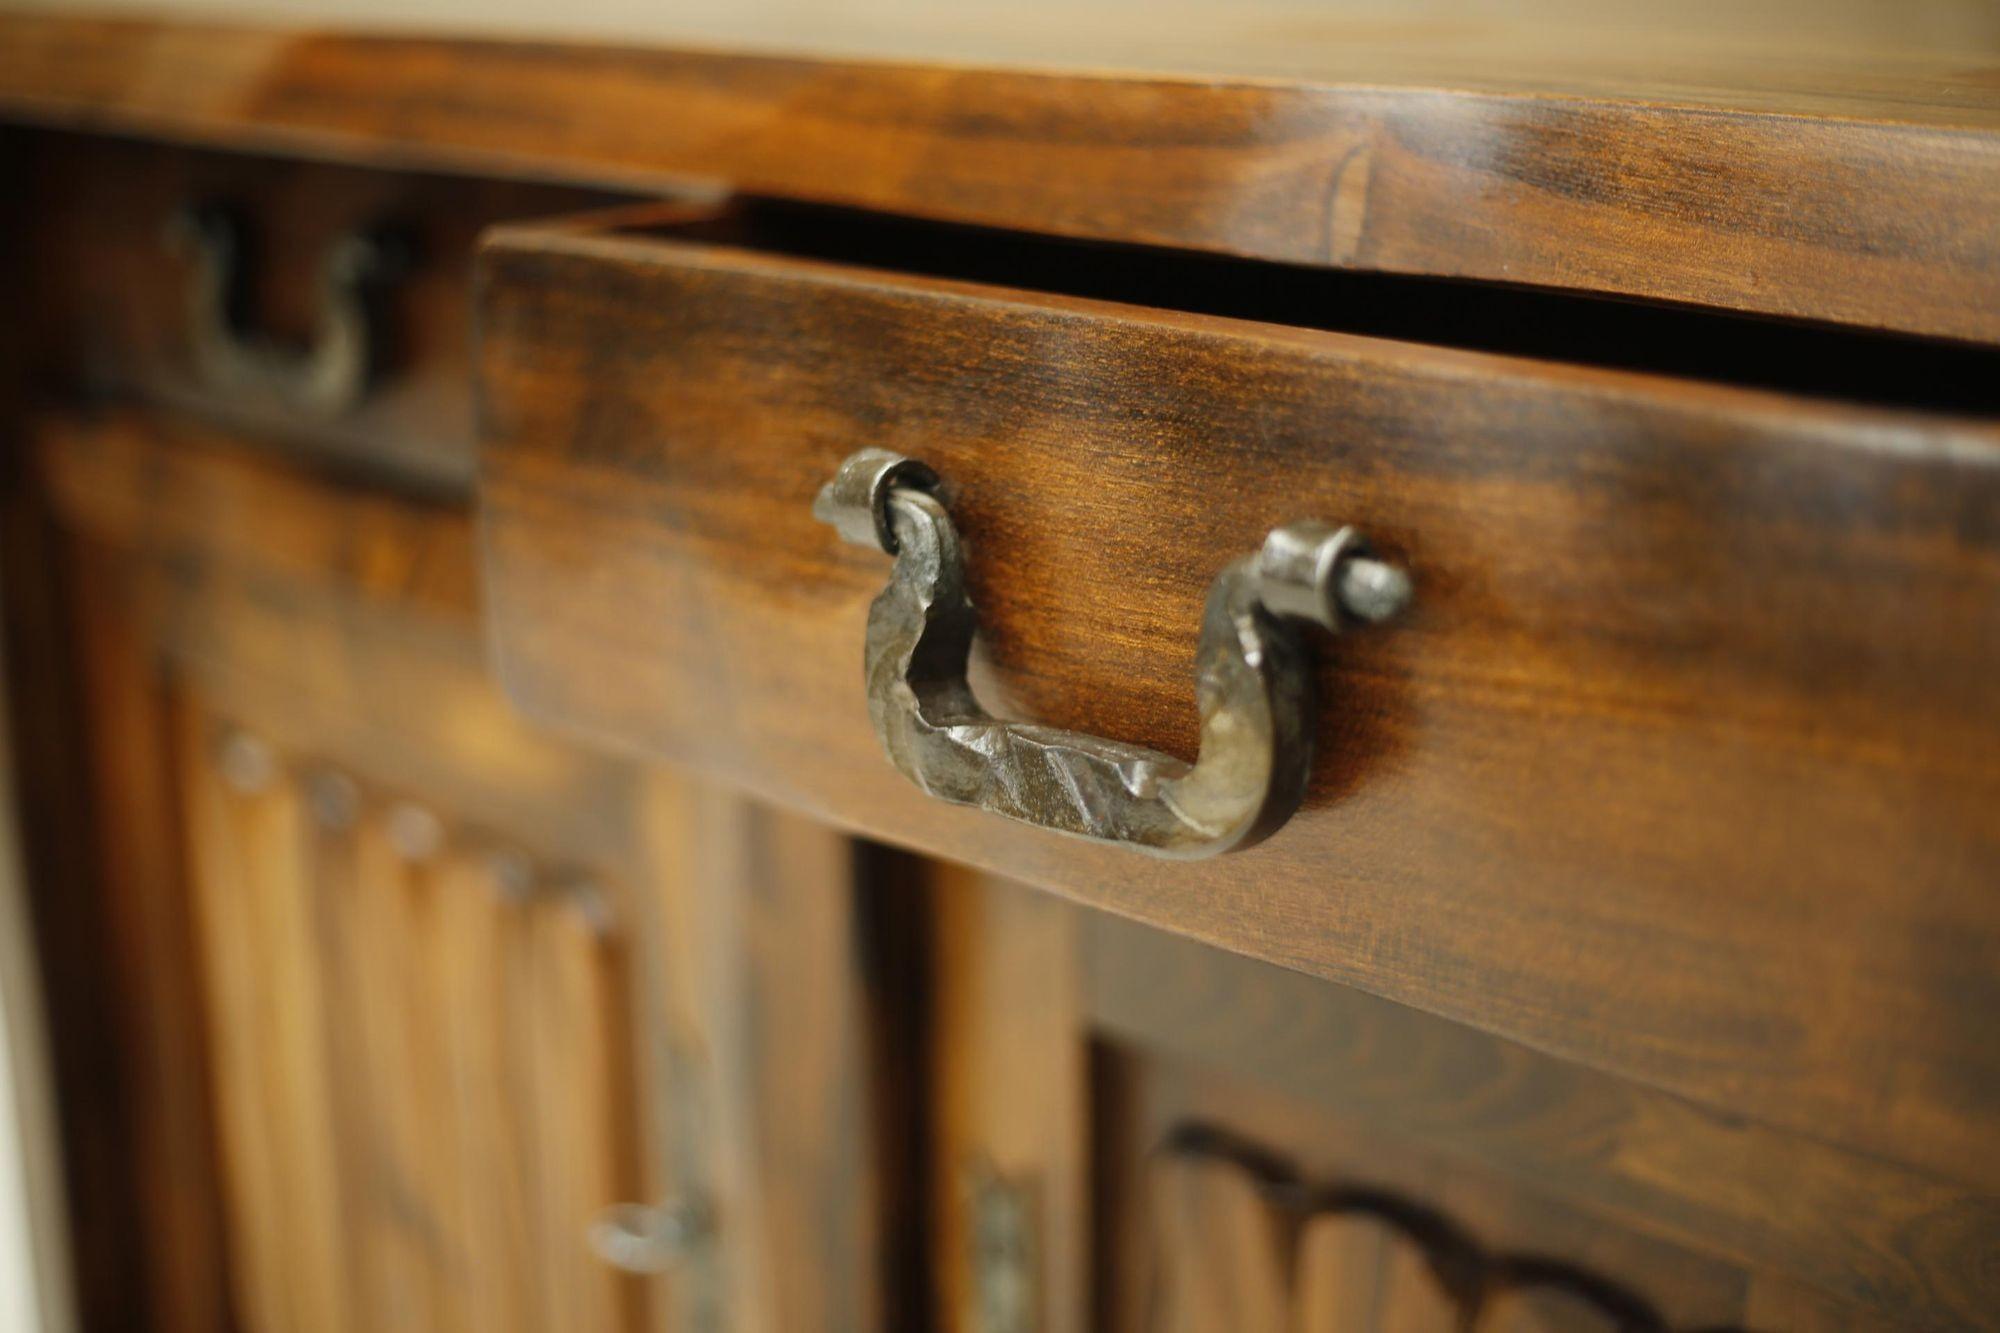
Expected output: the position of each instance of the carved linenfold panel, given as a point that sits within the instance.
(423, 1065)
(1356, 1268)
(1225, 1250)
(1243, 1241)
(482, 1030)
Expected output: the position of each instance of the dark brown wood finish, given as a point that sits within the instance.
(720, 1000)
(784, 995)
(1632, 963)
(1904, 1244)
(139, 891)
(1683, 765)
(108, 298)
(135, 1125)
(407, 1075)
(1010, 1111)
(424, 1085)
(1463, 1246)
(1839, 184)
(1307, 1156)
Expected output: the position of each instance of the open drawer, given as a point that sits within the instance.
(1683, 762)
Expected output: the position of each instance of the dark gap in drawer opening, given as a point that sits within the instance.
(1852, 365)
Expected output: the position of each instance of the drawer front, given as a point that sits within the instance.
(322, 306)
(1682, 763)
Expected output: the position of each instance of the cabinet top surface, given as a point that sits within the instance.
(1834, 161)
(1927, 62)
(1921, 63)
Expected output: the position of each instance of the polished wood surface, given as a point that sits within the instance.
(1224, 1253)
(1907, 1244)
(1235, 1170)
(1462, 1245)
(1630, 966)
(1012, 1106)
(108, 294)
(1265, 1151)
(785, 994)
(1683, 758)
(409, 1127)
(1848, 53)
(1040, 1015)
(139, 886)
(1362, 1272)
(1823, 181)
(103, 861)
(425, 1090)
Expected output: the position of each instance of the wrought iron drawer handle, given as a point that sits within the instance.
(323, 379)
(1253, 680)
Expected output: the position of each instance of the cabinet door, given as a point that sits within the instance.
(1254, 1148)
(422, 1061)
(1277, 1152)
(452, 1070)
(435, 1020)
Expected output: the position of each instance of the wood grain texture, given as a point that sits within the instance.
(425, 1095)
(1533, 1309)
(1855, 55)
(776, 1011)
(397, 1228)
(137, 819)
(107, 297)
(1010, 1093)
(1902, 1243)
(344, 620)
(1682, 766)
(369, 1185)
(101, 1158)
(1359, 1273)
(179, 490)
(1777, 1304)
(251, 1172)
(1213, 1230)
(579, 1048)
(1851, 188)
(479, 996)
(493, 1059)
(1465, 1234)
(1222, 1248)
(1247, 1241)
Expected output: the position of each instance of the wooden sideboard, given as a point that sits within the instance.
(469, 876)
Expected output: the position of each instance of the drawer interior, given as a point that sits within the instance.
(1823, 361)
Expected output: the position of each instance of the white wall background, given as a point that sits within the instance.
(35, 1295)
